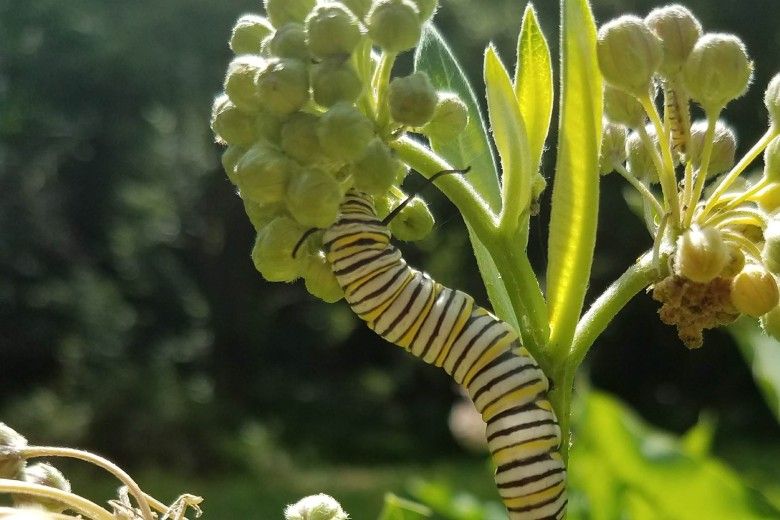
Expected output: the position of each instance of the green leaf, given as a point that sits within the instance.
(762, 354)
(650, 473)
(576, 189)
(397, 508)
(511, 140)
(534, 84)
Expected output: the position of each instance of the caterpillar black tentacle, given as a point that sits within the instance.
(444, 327)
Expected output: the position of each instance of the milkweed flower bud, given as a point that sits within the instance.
(450, 118)
(412, 99)
(313, 198)
(770, 253)
(229, 124)
(640, 160)
(268, 127)
(426, 8)
(613, 147)
(735, 263)
(315, 507)
(273, 250)
(260, 215)
(283, 86)
(717, 71)
(678, 30)
(754, 291)
(289, 41)
(724, 146)
(230, 158)
(772, 101)
(299, 138)
(334, 80)
(414, 222)
(45, 475)
(344, 132)
(320, 280)
(394, 25)
(770, 322)
(772, 160)
(11, 462)
(701, 254)
(332, 30)
(240, 84)
(378, 169)
(358, 7)
(629, 54)
(623, 108)
(248, 33)
(263, 173)
(281, 12)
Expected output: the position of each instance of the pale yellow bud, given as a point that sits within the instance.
(754, 291)
(678, 30)
(772, 101)
(629, 54)
(613, 147)
(701, 254)
(623, 108)
(724, 146)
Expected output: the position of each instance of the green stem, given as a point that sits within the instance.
(701, 175)
(381, 85)
(71, 500)
(666, 173)
(641, 188)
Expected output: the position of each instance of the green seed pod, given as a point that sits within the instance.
(701, 254)
(45, 475)
(315, 507)
(273, 250)
(623, 108)
(334, 80)
(770, 253)
(678, 30)
(427, 8)
(289, 41)
(281, 12)
(770, 322)
(332, 30)
(263, 173)
(230, 158)
(344, 132)
(248, 34)
(229, 124)
(414, 222)
(378, 169)
(768, 198)
(313, 198)
(320, 280)
(772, 161)
(724, 146)
(284, 86)
(640, 160)
(450, 118)
(754, 291)
(717, 71)
(772, 102)
(299, 138)
(394, 25)
(629, 54)
(240, 84)
(412, 99)
(613, 147)
(261, 215)
(11, 462)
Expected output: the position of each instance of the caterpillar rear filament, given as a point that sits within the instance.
(444, 327)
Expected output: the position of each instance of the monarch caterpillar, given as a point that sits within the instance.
(444, 327)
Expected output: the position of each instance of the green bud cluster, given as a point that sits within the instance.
(305, 118)
(11, 462)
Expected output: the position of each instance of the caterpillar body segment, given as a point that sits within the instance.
(444, 327)
(677, 117)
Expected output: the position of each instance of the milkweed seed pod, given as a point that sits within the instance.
(334, 80)
(248, 33)
(45, 475)
(332, 30)
(770, 253)
(344, 132)
(427, 8)
(678, 30)
(640, 160)
(613, 147)
(281, 12)
(231, 125)
(359, 8)
(315, 507)
(394, 25)
(378, 169)
(450, 117)
(414, 222)
(412, 99)
(623, 108)
(770, 322)
(289, 41)
(299, 138)
(701, 254)
(272, 253)
(717, 71)
(263, 173)
(313, 198)
(754, 291)
(772, 161)
(629, 54)
(230, 158)
(240, 84)
(11, 462)
(283, 86)
(768, 198)
(320, 280)
(772, 101)
(260, 215)
(724, 146)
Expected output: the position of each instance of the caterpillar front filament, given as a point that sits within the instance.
(444, 327)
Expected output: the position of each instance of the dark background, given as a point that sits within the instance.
(132, 321)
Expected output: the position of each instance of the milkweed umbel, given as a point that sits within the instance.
(444, 327)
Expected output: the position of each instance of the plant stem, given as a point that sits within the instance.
(380, 84)
(701, 175)
(71, 500)
(641, 188)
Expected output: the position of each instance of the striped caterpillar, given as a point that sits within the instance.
(444, 327)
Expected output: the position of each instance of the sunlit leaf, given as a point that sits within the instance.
(762, 354)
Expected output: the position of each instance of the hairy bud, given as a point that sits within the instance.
(281, 12)
(272, 253)
(701, 254)
(289, 41)
(358, 7)
(623, 108)
(629, 54)
(261, 215)
(229, 124)
(45, 475)
(283, 86)
(248, 33)
(678, 30)
(414, 222)
(320, 280)
(613, 147)
(768, 198)
(640, 159)
(450, 118)
(754, 291)
(770, 254)
(378, 169)
(315, 507)
(263, 173)
(770, 322)
(229, 159)
(11, 462)
(772, 101)
(394, 25)
(332, 30)
(299, 138)
(240, 81)
(334, 80)
(313, 198)
(427, 8)
(724, 146)
(412, 99)
(344, 132)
